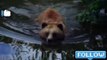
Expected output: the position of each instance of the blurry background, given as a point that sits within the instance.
(85, 20)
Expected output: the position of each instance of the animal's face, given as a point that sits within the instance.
(52, 33)
(53, 27)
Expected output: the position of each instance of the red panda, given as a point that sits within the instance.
(52, 27)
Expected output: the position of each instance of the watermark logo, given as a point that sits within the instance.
(5, 13)
(90, 54)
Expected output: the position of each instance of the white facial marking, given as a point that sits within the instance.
(49, 36)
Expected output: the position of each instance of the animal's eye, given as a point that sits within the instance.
(60, 26)
(44, 25)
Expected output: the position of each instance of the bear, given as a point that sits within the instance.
(53, 28)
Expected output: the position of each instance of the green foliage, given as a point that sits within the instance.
(88, 15)
(1, 38)
(5, 39)
(86, 2)
(48, 1)
(7, 3)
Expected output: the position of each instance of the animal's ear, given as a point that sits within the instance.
(44, 25)
(52, 14)
(60, 26)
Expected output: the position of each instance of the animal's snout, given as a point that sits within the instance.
(50, 40)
